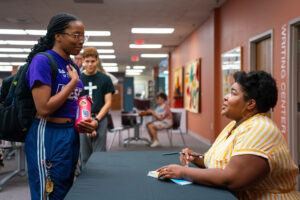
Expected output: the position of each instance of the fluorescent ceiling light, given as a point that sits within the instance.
(105, 51)
(133, 73)
(148, 55)
(97, 33)
(43, 32)
(153, 30)
(145, 46)
(12, 32)
(98, 44)
(127, 67)
(18, 42)
(109, 64)
(139, 67)
(36, 32)
(107, 56)
(12, 63)
(134, 70)
(111, 69)
(5, 63)
(17, 63)
(19, 50)
(2, 55)
(6, 68)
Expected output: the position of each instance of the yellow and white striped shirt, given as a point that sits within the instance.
(258, 136)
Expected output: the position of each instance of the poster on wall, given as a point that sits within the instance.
(231, 63)
(192, 86)
(178, 88)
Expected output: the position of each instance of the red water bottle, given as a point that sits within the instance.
(83, 110)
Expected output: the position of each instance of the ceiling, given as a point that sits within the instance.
(117, 16)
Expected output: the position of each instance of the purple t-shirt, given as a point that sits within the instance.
(40, 70)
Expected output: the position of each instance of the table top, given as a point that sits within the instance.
(123, 175)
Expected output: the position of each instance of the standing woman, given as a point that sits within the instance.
(52, 145)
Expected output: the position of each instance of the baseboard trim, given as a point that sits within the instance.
(200, 138)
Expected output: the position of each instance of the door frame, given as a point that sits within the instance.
(294, 26)
(252, 49)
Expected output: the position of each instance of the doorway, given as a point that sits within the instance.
(294, 91)
(261, 55)
(261, 52)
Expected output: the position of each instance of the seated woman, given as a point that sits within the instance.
(250, 156)
(163, 118)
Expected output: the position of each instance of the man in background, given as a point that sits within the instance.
(78, 60)
(100, 88)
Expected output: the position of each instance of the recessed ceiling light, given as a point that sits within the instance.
(109, 64)
(107, 56)
(139, 67)
(98, 44)
(19, 50)
(102, 51)
(13, 55)
(18, 42)
(134, 70)
(133, 73)
(36, 32)
(105, 51)
(111, 69)
(12, 63)
(17, 63)
(153, 30)
(12, 32)
(97, 33)
(145, 46)
(148, 55)
(6, 68)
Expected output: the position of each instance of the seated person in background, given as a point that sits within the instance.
(163, 118)
(250, 157)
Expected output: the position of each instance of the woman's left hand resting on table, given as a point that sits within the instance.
(241, 172)
(88, 125)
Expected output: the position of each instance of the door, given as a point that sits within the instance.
(116, 103)
(263, 55)
(298, 92)
(294, 94)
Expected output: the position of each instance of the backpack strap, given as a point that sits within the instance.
(53, 65)
(76, 67)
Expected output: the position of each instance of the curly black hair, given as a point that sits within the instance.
(57, 24)
(162, 95)
(260, 86)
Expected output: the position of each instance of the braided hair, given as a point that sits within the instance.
(57, 24)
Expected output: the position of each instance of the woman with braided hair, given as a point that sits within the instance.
(52, 145)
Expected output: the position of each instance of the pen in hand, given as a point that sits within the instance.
(173, 153)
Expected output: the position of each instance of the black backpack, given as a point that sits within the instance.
(17, 109)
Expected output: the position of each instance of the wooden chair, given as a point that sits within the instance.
(116, 130)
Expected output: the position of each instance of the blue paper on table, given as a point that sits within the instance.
(181, 181)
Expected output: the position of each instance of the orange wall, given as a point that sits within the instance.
(230, 26)
(199, 45)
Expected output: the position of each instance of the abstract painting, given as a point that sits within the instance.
(231, 63)
(192, 86)
(178, 88)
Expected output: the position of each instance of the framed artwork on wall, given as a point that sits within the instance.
(231, 63)
(178, 88)
(192, 86)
